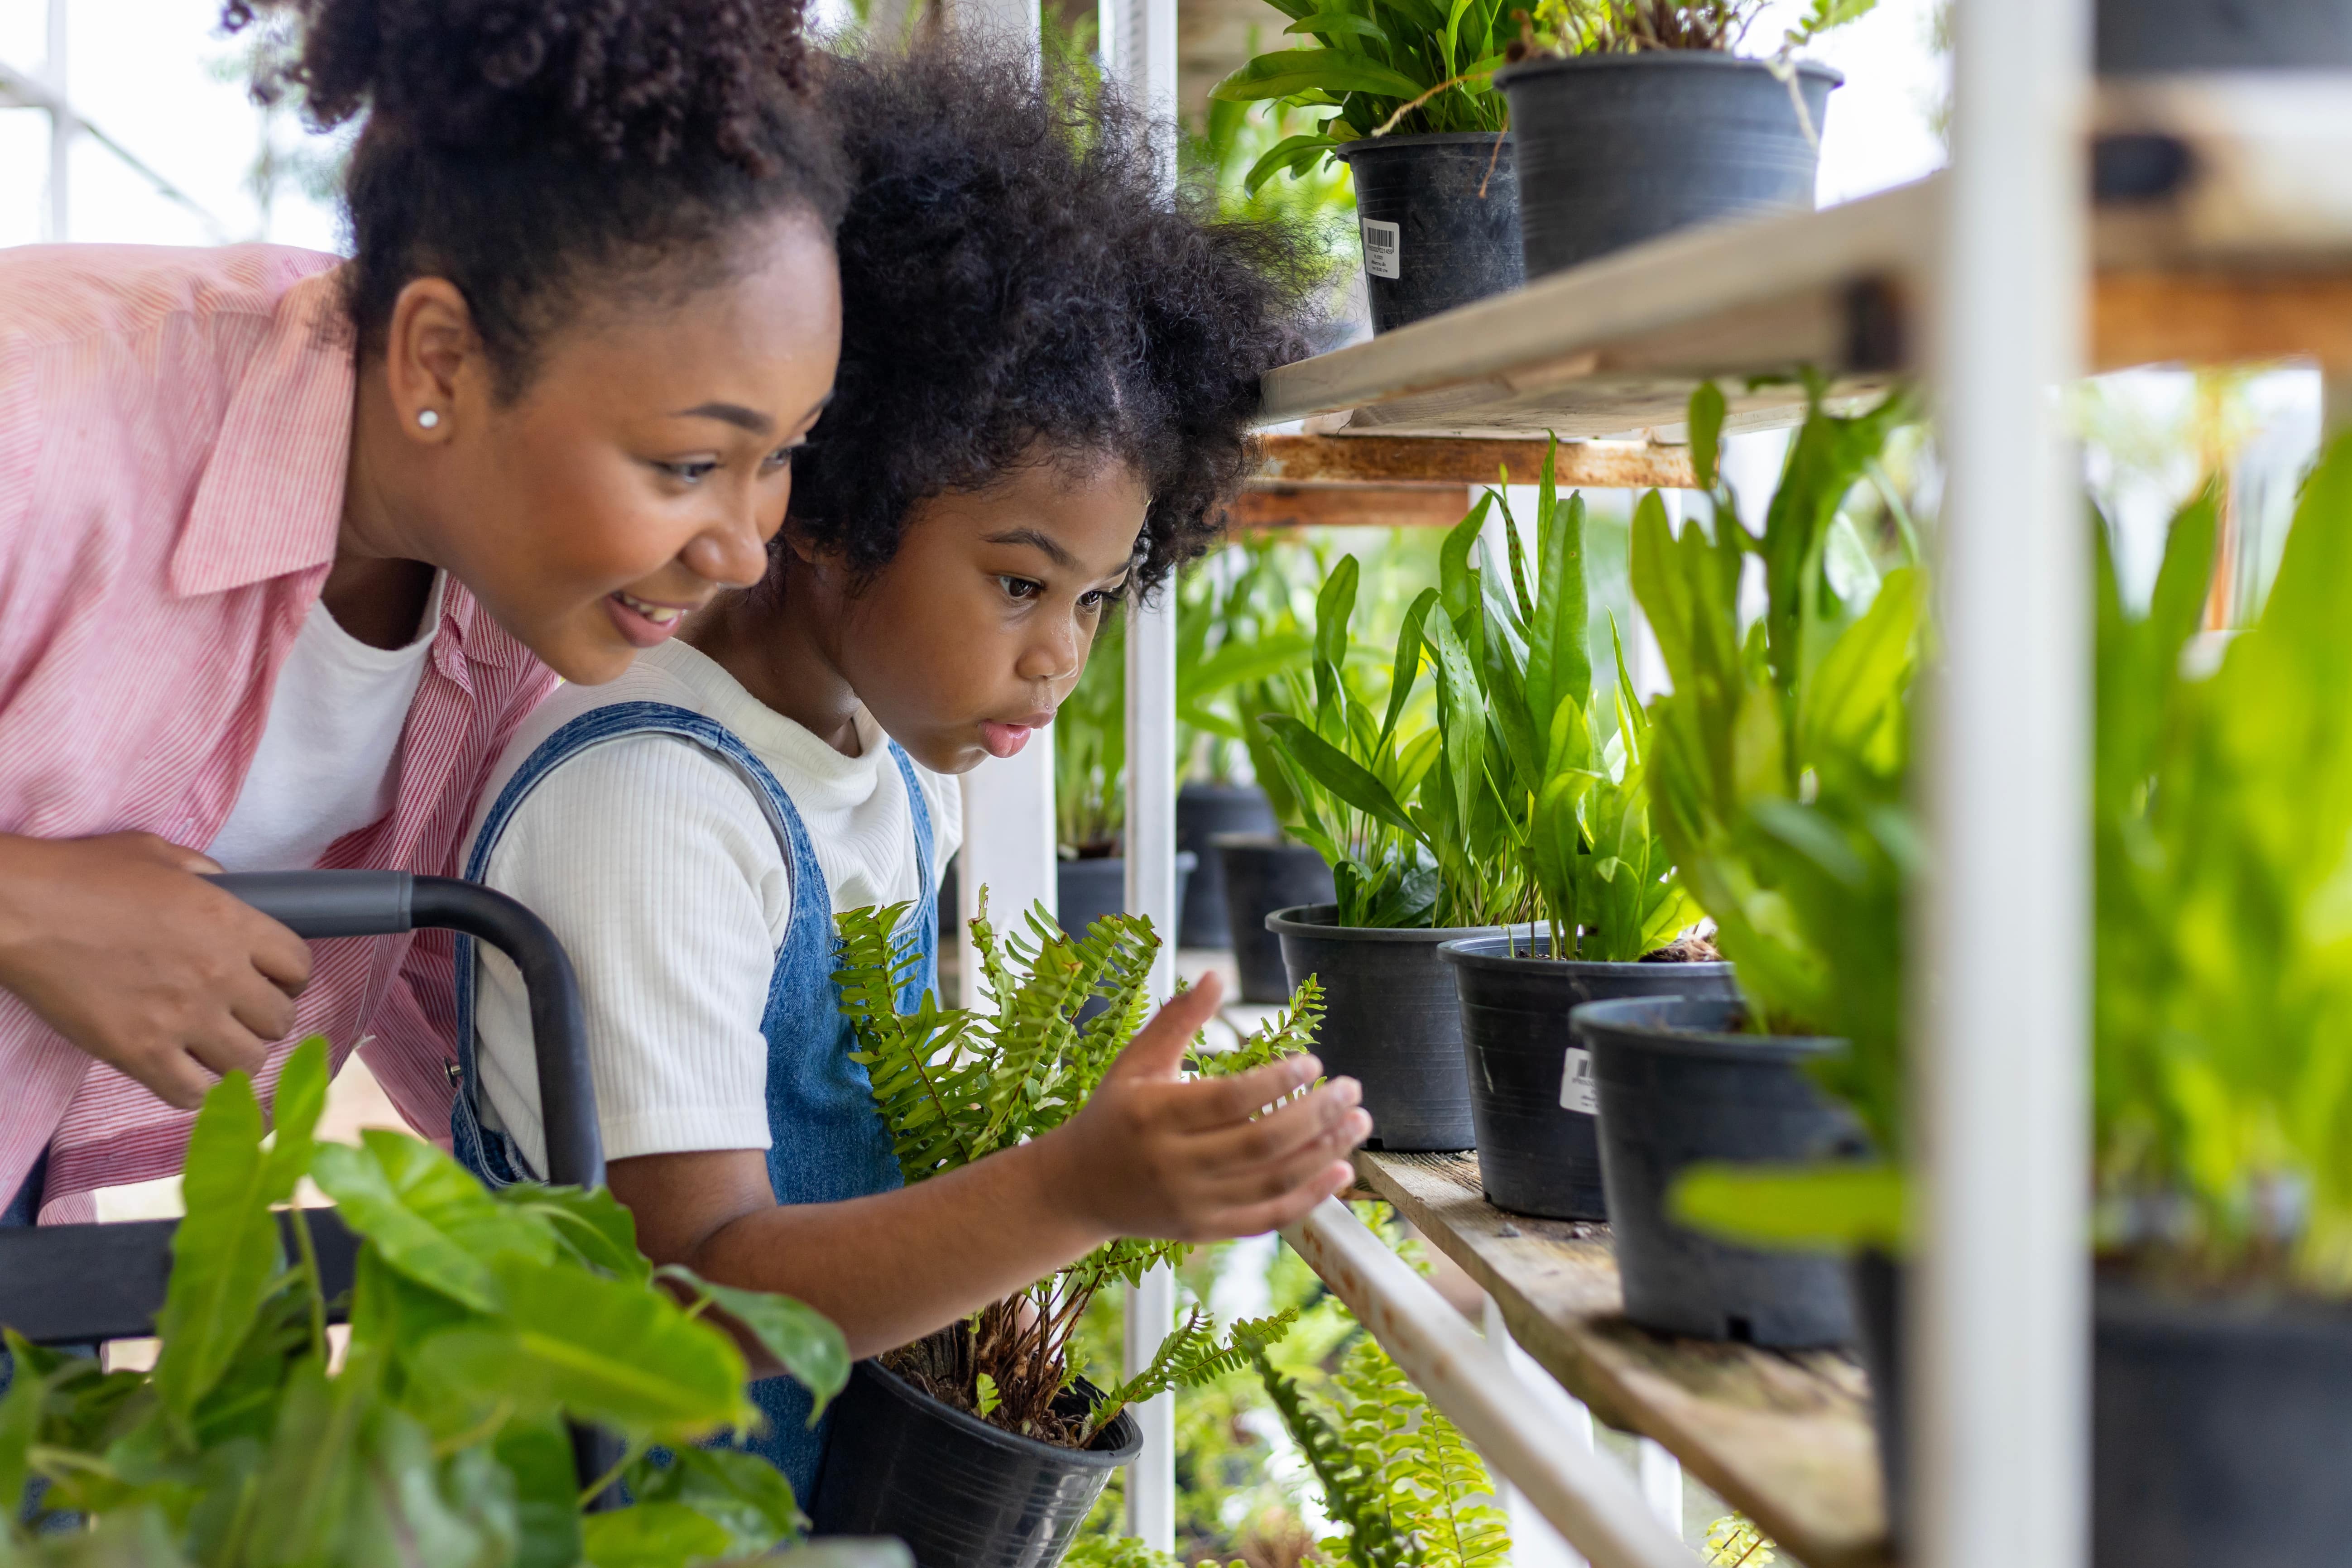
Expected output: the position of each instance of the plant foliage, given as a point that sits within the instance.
(2223, 834)
(1627, 26)
(955, 1086)
(1371, 67)
(479, 1324)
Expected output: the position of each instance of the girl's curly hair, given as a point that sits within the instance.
(538, 154)
(1019, 280)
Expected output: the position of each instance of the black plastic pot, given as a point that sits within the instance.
(1391, 1022)
(1202, 812)
(1678, 1086)
(959, 1492)
(1263, 873)
(1617, 148)
(1086, 891)
(2220, 1427)
(2139, 37)
(1531, 1080)
(1440, 220)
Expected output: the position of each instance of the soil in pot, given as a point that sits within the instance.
(2219, 1425)
(960, 1492)
(1263, 873)
(1391, 1022)
(1679, 1085)
(2144, 37)
(1531, 1094)
(1202, 812)
(1617, 148)
(1440, 220)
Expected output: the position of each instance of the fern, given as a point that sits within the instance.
(954, 1085)
(1191, 1356)
(1353, 1492)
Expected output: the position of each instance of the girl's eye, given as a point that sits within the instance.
(692, 473)
(782, 457)
(1021, 587)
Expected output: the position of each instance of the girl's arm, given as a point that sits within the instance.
(1149, 1155)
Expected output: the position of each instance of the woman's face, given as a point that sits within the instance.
(647, 465)
(972, 636)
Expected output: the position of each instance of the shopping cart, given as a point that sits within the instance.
(77, 1284)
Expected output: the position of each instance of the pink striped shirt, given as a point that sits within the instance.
(175, 429)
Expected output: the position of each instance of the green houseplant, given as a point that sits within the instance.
(996, 1399)
(1780, 769)
(480, 1322)
(1546, 766)
(1636, 118)
(1401, 91)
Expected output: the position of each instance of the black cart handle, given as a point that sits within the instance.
(386, 903)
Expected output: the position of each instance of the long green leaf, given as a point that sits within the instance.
(1336, 771)
(225, 1252)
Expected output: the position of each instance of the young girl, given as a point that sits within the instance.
(290, 545)
(1043, 406)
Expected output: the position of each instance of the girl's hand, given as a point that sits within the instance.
(119, 946)
(1154, 1155)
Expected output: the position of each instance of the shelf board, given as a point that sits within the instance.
(1784, 1437)
(2223, 233)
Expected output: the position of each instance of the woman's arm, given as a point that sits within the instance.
(1149, 1155)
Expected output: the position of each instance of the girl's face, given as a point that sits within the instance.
(647, 465)
(975, 632)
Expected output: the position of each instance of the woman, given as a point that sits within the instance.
(288, 548)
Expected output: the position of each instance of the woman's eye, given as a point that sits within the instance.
(692, 473)
(782, 457)
(1021, 587)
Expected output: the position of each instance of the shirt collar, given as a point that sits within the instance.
(271, 499)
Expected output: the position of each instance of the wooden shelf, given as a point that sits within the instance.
(1784, 1437)
(2223, 233)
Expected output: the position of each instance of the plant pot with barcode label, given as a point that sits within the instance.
(1407, 101)
(1531, 1091)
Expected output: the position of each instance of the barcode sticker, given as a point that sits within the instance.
(1383, 242)
(1576, 1091)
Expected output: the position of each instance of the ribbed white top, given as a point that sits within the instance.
(653, 862)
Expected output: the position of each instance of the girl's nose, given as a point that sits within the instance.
(1055, 659)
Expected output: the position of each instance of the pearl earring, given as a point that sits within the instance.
(429, 418)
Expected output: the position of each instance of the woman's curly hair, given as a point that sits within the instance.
(1019, 282)
(538, 153)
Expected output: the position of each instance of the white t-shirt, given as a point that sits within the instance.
(653, 862)
(324, 767)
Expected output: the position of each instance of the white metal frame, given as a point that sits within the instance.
(1997, 1350)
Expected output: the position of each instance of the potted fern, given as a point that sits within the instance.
(1410, 859)
(1778, 773)
(1401, 91)
(1551, 763)
(480, 1323)
(1635, 118)
(983, 1444)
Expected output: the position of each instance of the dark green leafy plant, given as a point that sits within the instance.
(1237, 630)
(2224, 1060)
(1372, 66)
(479, 1324)
(954, 1085)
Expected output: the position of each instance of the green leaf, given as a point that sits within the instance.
(1336, 771)
(652, 1535)
(1707, 413)
(1339, 22)
(741, 1492)
(426, 1214)
(538, 1455)
(1287, 73)
(1463, 718)
(1841, 1206)
(1560, 655)
(804, 1341)
(1406, 669)
(225, 1252)
(1293, 155)
(591, 1226)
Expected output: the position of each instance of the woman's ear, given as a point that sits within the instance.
(432, 360)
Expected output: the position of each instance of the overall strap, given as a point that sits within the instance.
(919, 811)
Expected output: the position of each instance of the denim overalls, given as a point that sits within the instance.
(826, 1139)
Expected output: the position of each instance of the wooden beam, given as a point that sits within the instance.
(1293, 460)
(1262, 508)
(2219, 318)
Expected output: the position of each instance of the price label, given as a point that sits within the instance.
(1576, 1091)
(1383, 245)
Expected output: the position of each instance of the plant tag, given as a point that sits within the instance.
(1576, 1091)
(1383, 244)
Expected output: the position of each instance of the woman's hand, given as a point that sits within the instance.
(119, 946)
(1153, 1154)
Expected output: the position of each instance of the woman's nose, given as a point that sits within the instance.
(733, 553)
